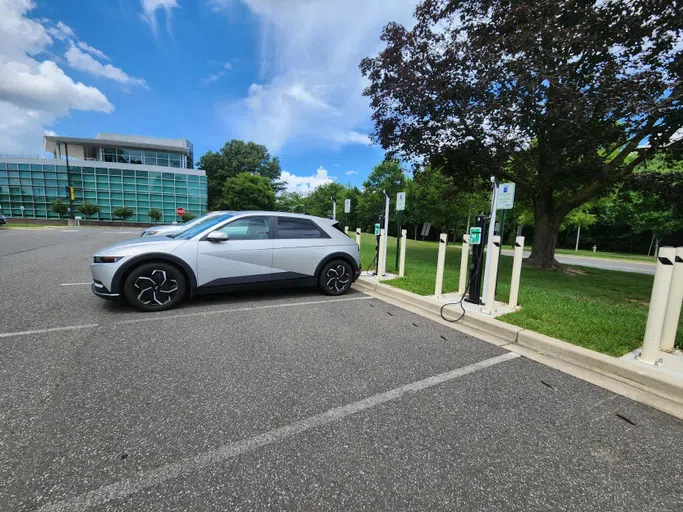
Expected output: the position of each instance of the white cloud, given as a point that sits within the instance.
(44, 86)
(305, 184)
(150, 8)
(310, 85)
(85, 62)
(226, 66)
(34, 93)
(61, 31)
(350, 137)
(50, 132)
(92, 51)
(351, 173)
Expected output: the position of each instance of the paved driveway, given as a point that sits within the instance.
(293, 400)
(635, 267)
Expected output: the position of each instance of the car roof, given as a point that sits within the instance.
(285, 214)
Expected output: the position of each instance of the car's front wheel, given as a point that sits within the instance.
(155, 286)
(336, 278)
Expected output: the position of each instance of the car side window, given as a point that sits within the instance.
(251, 228)
(288, 227)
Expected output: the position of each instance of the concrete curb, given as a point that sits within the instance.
(661, 385)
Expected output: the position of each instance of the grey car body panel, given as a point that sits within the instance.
(219, 265)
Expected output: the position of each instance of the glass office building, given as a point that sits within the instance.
(111, 171)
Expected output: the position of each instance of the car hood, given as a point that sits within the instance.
(141, 246)
(165, 228)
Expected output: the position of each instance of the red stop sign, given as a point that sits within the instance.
(180, 211)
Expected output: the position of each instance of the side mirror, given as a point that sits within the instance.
(217, 236)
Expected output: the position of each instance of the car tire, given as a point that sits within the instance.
(335, 278)
(155, 286)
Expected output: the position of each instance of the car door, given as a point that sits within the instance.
(299, 247)
(246, 257)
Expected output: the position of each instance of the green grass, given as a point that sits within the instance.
(598, 309)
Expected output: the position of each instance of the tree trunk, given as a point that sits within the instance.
(546, 228)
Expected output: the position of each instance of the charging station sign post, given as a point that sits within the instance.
(505, 199)
(400, 206)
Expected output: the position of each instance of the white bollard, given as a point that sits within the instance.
(660, 295)
(493, 276)
(346, 230)
(440, 262)
(402, 254)
(673, 306)
(358, 231)
(464, 260)
(380, 256)
(516, 271)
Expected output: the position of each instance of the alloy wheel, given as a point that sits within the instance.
(156, 288)
(338, 278)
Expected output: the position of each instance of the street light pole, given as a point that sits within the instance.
(68, 180)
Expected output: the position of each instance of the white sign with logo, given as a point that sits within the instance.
(506, 196)
(347, 205)
(400, 201)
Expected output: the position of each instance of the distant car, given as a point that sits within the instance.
(224, 252)
(172, 229)
(3, 220)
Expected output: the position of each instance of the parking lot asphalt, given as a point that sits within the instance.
(293, 400)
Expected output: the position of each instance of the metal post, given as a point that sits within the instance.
(334, 208)
(492, 230)
(386, 228)
(660, 295)
(673, 306)
(68, 180)
(493, 274)
(440, 262)
(381, 262)
(398, 238)
(578, 236)
(464, 259)
(402, 259)
(358, 231)
(516, 271)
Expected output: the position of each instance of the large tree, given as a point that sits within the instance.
(565, 98)
(236, 157)
(247, 191)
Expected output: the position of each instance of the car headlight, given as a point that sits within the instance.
(106, 259)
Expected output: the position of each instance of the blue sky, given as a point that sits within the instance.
(283, 73)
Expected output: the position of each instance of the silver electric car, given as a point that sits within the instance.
(224, 252)
(172, 229)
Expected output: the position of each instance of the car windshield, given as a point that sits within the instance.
(196, 221)
(202, 226)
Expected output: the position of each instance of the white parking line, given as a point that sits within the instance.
(51, 329)
(228, 451)
(74, 284)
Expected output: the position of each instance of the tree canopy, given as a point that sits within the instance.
(247, 191)
(565, 99)
(234, 158)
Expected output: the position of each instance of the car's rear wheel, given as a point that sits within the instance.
(155, 286)
(335, 278)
